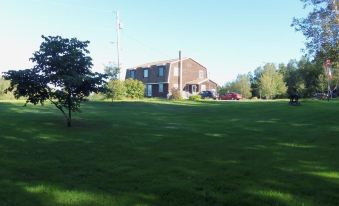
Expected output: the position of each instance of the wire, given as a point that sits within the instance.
(68, 5)
(145, 45)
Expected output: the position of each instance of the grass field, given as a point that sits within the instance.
(163, 153)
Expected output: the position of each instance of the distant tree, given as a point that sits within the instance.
(309, 72)
(112, 71)
(254, 78)
(134, 89)
(293, 78)
(222, 90)
(116, 90)
(62, 74)
(242, 85)
(228, 87)
(271, 82)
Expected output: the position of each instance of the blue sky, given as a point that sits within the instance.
(227, 36)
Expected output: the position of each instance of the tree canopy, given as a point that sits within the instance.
(62, 74)
(271, 82)
(320, 27)
(112, 71)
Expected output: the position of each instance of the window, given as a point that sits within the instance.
(176, 71)
(201, 74)
(145, 73)
(161, 88)
(132, 74)
(161, 71)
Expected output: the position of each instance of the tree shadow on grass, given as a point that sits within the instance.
(153, 154)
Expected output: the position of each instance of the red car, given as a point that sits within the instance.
(230, 96)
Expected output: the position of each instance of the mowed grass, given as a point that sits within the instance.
(171, 153)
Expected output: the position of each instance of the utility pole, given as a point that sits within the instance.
(118, 28)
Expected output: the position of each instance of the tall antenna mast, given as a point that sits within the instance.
(118, 27)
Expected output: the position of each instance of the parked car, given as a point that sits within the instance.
(230, 96)
(208, 94)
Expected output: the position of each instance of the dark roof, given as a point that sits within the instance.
(159, 63)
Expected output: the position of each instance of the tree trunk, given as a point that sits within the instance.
(69, 119)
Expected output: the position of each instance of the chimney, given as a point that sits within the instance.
(180, 74)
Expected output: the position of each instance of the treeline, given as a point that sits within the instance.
(303, 77)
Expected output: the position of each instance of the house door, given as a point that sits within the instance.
(194, 89)
(149, 90)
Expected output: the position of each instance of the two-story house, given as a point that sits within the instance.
(162, 76)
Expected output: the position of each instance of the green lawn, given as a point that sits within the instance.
(163, 153)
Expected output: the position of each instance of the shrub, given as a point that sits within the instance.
(176, 94)
(116, 90)
(134, 89)
(4, 84)
(97, 97)
(195, 98)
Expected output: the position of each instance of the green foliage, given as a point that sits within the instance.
(223, 89)
(320, 27)
(241, 85)
(293, 78)
(195, 98)
(322, 86)
(4, 84)
(254, 79)
(116, 90)
(175, 94)
(112, 71)
(97, 96)
(135, 89)
(228, 87)
(271, 82)
(62, 74)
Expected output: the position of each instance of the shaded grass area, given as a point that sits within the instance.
(171, 153)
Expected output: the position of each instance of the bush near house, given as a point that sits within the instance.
(195, 98)
(135, 89)
(116, 90)
(175, 94)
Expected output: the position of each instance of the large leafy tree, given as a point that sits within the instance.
(321, 29)
(62, 74)
(293, 78)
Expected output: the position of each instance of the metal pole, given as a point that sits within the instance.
(118, 43)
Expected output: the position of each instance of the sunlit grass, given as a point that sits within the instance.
(156, 152)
